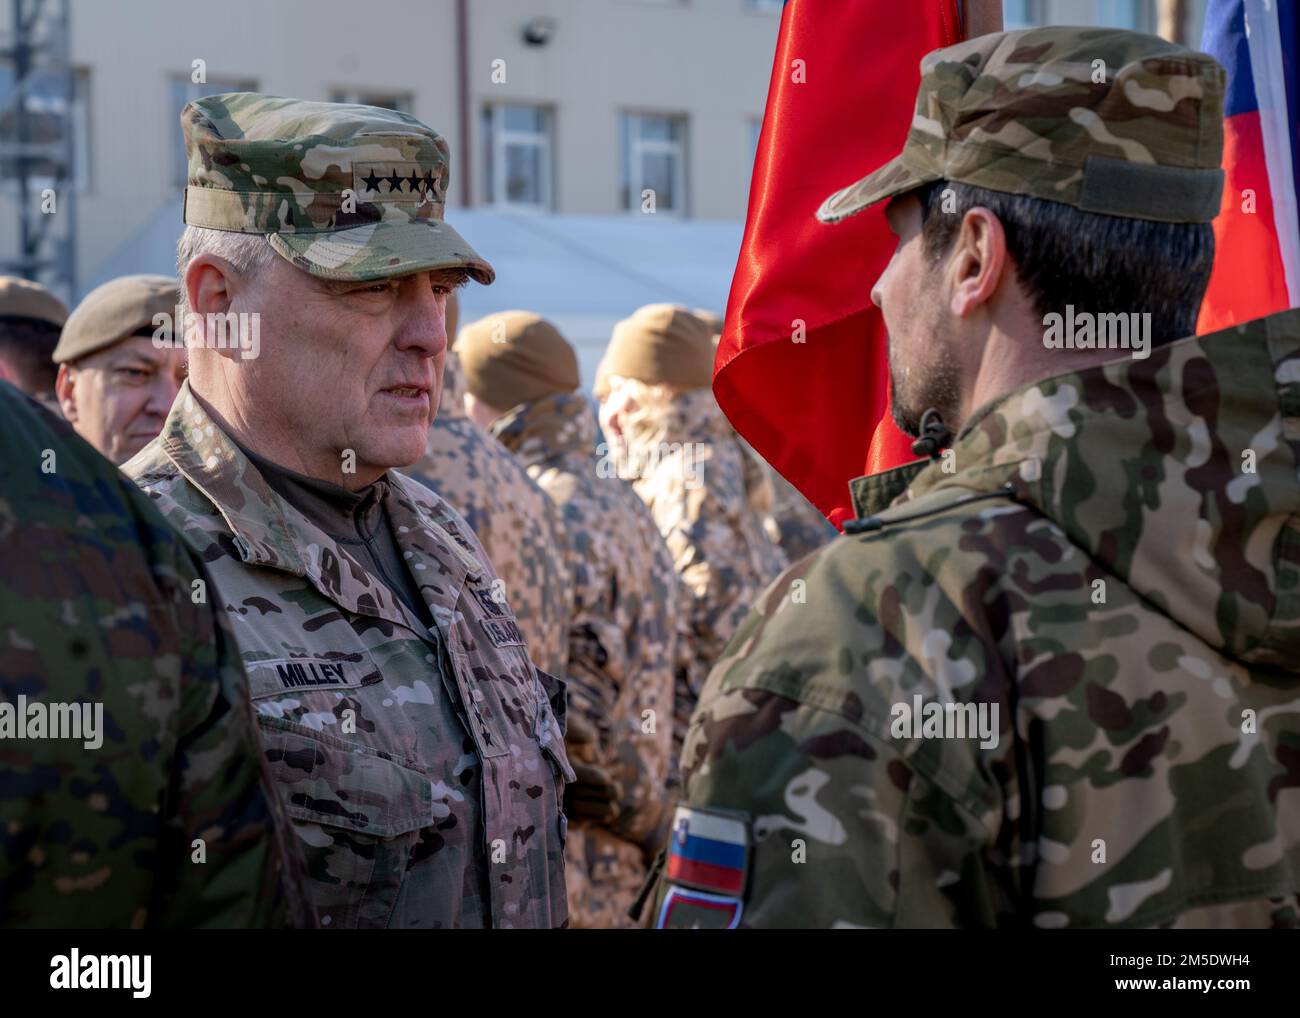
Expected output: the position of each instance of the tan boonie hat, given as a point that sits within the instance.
(515, 357)
(659, 344)
(21, 298)
(112, 312)
(342, 191)
(1103, 119)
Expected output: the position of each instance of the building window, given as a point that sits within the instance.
(184, 91)
(1123, 13)
(1021, 14)
(55, 119)
(653, 149)
(399, 101)
(517, 156)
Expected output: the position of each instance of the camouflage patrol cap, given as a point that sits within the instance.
(1102, 119)
(341, 191)
(20, 298)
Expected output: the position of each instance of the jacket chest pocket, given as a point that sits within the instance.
(357, 816)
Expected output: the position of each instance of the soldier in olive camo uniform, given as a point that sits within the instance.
(419, 752)
(1109, 563)
(98, 597)
(622, 646)
(520, 528)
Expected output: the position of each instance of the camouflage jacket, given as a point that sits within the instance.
(1099, 584)
(423, 768)
(687, 468)
(156, 814)
(520, 528)
(621, 643)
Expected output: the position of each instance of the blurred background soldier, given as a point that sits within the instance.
(413, 739)
(30, 321)
(521, 529)
(789, 519)
(666, 434)
(522, 380)
(115, 384)
(155, 815)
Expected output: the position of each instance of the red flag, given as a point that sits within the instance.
(814, 403)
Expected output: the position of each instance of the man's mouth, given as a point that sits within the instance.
(407, 391)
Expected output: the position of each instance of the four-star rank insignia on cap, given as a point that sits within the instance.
(708, 857)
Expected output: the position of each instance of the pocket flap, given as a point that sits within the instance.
(327, 781)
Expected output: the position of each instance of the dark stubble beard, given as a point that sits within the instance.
(937, 386)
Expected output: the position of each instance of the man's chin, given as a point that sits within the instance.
(400, 448)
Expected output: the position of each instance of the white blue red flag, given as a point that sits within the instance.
(1257, 238)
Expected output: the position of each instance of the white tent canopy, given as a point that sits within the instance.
(583, 273)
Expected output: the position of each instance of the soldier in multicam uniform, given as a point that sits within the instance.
(519, 527)
(522, 378)
(1093, 576)
(419, 752)
(156, 815)
(666, 433)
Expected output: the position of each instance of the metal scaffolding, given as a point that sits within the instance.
(38, 103)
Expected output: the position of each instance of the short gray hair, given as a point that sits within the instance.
(247, 252)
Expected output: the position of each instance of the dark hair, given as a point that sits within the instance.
(27, 345)
(1096, 262)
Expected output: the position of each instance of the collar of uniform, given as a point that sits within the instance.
(547, 428)
(267, 530)
(440, 552)
(872, 493)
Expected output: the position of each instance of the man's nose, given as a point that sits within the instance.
(423, 328)
(162, 394)
(877, 292)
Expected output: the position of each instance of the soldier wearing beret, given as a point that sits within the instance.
(419, 752)
(30, 321)
(666, 434)
(521, 529)
(521, 379)
(115, 383)
(1048, 677)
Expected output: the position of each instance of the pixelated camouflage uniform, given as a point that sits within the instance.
(423, 767)
(1112, 563)
(98, 597)
(621, 646)
(690, 473)
(520, 528)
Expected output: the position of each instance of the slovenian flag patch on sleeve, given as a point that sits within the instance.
(708, 851)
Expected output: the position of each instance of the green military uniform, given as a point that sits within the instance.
(1050, 680)
(419, 753)
(155, 814)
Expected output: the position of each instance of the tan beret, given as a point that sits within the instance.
(113, 311)
(20, 298)
(660, 344)
(515, 357)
